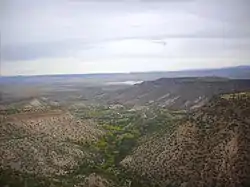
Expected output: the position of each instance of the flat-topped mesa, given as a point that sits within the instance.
(178, 93)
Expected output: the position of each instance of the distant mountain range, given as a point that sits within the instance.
(176, 89)
(238, 72)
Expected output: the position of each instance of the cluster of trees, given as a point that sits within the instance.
(123, 132)
(9, 111)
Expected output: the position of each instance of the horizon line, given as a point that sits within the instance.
(131, 72)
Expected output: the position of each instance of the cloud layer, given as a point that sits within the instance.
(46, 37)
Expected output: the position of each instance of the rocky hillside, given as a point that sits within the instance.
(178, 93)
(44, 142)
(209, 148)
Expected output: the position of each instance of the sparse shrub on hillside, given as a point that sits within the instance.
(209, 147)
(104, 137)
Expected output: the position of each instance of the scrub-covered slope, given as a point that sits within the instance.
(209, 148)
(44, 142)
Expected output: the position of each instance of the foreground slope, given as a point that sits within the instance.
(178, 93)
(209, 148)
(42, 142)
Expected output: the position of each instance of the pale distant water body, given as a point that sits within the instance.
(124, 82)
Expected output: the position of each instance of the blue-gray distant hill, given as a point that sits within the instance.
(238, 72)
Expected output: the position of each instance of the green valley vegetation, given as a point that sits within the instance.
(124, 129)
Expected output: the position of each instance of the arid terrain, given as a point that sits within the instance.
(125, 93)
(182, 132)
(208, 148)
(178, 93)
(42, 142)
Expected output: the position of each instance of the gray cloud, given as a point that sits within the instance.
(68, 47)
(93, 30)
(33, 51)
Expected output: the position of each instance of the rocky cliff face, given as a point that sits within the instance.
(209, 148)
(44, 143)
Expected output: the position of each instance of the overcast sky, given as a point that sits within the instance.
(95, 36)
